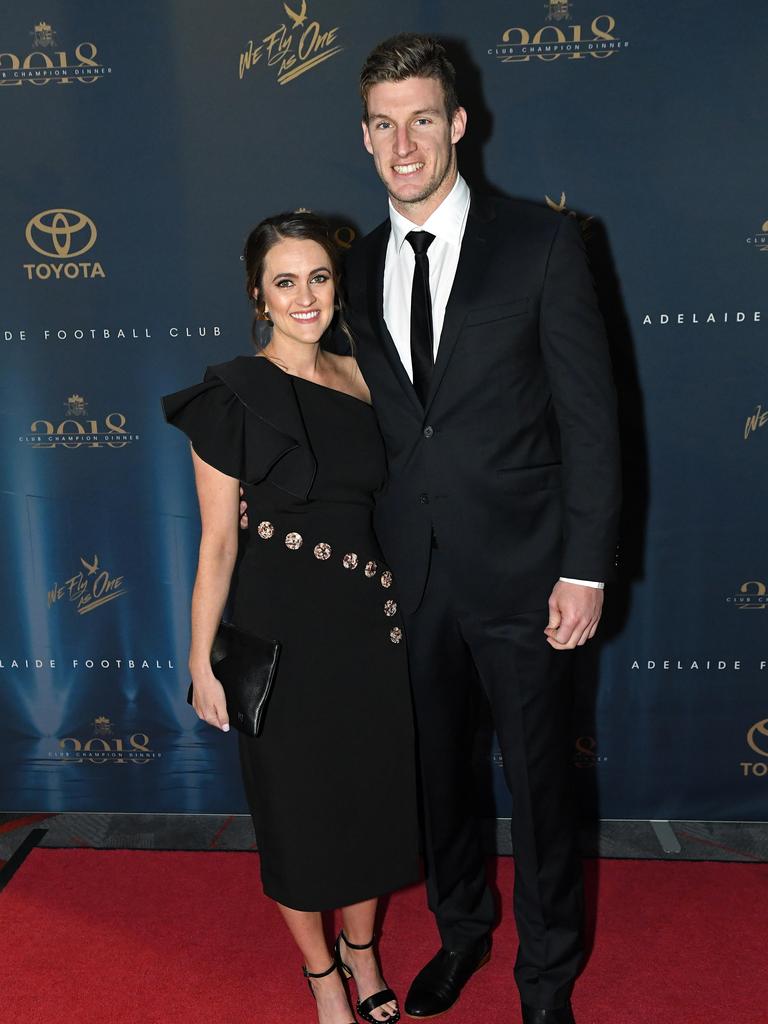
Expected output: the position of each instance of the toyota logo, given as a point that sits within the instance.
(61, 234)
(757, 737)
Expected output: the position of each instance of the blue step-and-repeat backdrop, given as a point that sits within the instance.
(140, 142)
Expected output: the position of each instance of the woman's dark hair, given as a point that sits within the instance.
(409, 55)
(303, 225)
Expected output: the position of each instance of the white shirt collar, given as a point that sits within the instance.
(445, 223)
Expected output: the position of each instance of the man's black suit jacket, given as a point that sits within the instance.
(514, 462)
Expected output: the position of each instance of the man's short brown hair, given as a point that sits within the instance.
(409, 55)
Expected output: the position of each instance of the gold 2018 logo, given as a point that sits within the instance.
(103, 747)
(759, 240)
(559, 37)
(75, 431)
(45, 63)
(61, 234)
(752, 596)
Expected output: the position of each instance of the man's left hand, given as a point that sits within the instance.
(574, 612)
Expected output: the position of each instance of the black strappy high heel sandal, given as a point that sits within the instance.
(365, 1007)
(322, 974)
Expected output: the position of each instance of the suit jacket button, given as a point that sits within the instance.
(428, 432)
(424, 499)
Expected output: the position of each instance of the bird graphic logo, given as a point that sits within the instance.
(557, 207)
(561, 207)
(93, 567)
(297, 19)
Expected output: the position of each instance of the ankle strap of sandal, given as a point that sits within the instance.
(321, 974)
(353, 945)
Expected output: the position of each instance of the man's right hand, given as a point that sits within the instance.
(243, 511)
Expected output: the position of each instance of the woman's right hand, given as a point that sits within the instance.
(208, 699)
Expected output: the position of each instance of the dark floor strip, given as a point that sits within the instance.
(14, 823)
(16, 859)
(739, 854)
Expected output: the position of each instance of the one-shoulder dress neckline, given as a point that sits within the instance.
(314, 384)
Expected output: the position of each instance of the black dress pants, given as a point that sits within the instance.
(529, 689)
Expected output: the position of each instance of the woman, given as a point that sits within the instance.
(331, 780)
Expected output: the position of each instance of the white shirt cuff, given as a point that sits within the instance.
(583, 583)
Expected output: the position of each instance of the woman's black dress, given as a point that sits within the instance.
(331, 780)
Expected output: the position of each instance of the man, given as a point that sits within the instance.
(479, 336)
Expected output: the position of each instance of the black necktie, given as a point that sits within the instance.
(422, 341)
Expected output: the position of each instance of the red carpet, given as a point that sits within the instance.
(96, 937)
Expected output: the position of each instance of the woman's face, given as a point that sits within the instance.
(298, 290)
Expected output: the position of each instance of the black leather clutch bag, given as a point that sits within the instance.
(246, 666)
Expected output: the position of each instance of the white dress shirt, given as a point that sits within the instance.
(447, 224)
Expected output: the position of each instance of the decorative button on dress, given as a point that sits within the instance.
(331, 780)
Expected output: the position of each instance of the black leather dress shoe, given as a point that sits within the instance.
(438, 985)
(562, 1015)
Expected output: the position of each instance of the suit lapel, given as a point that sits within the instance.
(375, 290)
(466, 285)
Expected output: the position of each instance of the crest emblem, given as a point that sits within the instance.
(102, 726)
(43, 35)
(558, 10)
(76, 405)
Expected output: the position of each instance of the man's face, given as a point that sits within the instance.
(412, 141)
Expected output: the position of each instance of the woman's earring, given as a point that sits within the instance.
(262, 328)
